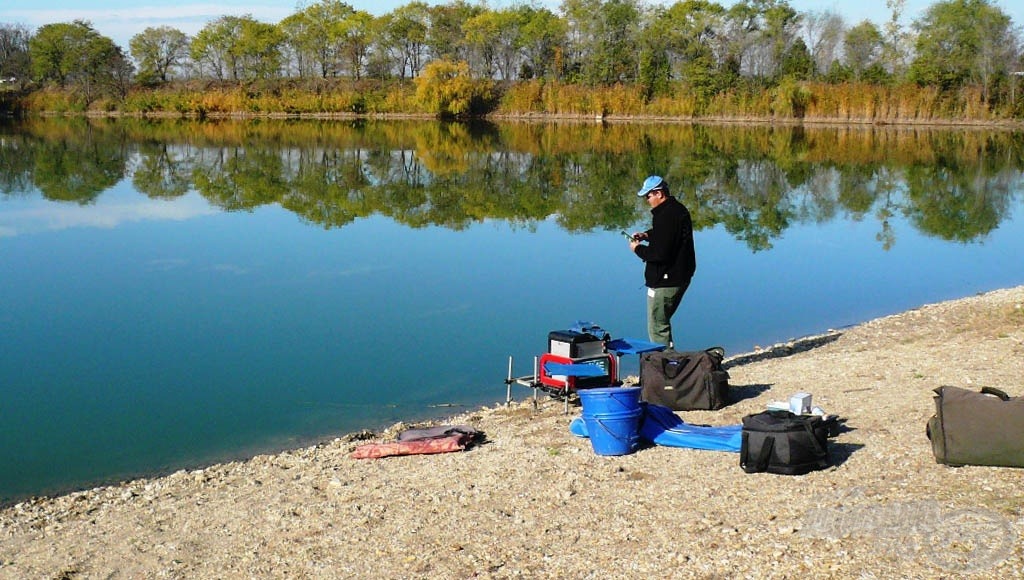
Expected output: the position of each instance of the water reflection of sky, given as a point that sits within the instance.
(120, 205)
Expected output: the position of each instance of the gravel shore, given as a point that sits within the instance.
(533, 501)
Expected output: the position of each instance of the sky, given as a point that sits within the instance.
(122, 19)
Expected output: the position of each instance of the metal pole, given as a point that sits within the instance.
(534, 382)
(508, 383)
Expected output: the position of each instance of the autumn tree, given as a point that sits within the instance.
(446, 89)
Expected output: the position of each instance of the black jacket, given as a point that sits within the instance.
(669, 251)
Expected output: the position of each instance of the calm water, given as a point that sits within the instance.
(174, 293)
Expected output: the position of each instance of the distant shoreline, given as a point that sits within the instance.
(851, 122)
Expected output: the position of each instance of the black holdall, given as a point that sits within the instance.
(784, 443)
(977, 428)
(685, 381)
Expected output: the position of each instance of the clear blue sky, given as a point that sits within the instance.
(122, 19)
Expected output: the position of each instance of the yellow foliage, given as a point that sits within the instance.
(446, 89)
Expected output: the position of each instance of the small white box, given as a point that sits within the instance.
(800, 403)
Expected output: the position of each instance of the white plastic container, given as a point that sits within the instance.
(800, 403)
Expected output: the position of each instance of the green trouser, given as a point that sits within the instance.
(661, 305)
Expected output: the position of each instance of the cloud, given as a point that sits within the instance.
(52, 216)
(120, 24)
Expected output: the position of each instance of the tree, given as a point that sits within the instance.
(354, 34)
(690, 33)
(297, 56)
(823, 35)
(863, 48)
(895, 46)
(258, 50)
(509, 42)
(603, 40)
(481, 38)
(381, 59)
(445, 37)
(759, 32)
(75, 54)
(961, 42)
(159, 51)
(14, 51)
(406, 34)
(779, 32)
(313, 35)
(57, 48)
(212, 47)
(446, 89)
(797, 62)
(542, 33)
(239, 47)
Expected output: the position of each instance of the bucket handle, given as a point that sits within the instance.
(606, 429)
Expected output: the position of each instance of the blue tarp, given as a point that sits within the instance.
(660, 426)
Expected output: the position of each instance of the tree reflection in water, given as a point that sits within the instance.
(756, 181)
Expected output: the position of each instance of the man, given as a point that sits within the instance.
(668, 255)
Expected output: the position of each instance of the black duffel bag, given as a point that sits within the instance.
(784, 443)
(685, 381)
(977, 428)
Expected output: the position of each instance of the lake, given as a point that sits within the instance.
(175, 293)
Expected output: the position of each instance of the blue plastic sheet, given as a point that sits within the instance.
(622, 346)
(660, 426)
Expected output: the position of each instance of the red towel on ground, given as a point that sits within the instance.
(421, 442)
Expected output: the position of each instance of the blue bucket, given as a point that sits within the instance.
(609, 400)
(614, 433)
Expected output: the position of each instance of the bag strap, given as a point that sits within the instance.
(994, 391)
(761, 463)
(766, 453)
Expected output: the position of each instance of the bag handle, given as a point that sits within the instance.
(716, 351)
(994, 391)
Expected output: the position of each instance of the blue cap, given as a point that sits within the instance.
(652, 182)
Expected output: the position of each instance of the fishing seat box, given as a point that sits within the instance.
(977, 428)
(572, 344)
